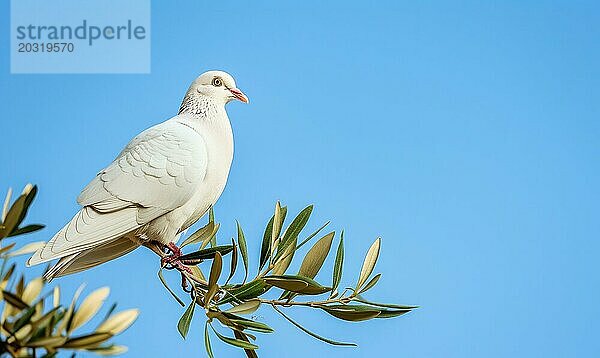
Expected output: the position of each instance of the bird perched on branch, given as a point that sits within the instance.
(164, 181)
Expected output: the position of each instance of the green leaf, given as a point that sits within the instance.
(211, 218)
(369, 263)
(207, 341)
(360, 299)
(312, 334)
(26, 229)
(183, 326)
(13, 216)
(206, 254)
(352, 313)
(298, 284)
(243, 249)
(215, 273)
(293, 230)
(162, 279)
(284, 261)
(14, 300)
(247, 291)
(372, 282)
(250, 353)
(234, 342)
(265, 248)
(315, 257)
(247, 307)
(201, 235)
(278, 219)
(88, 340)
(338, 265)
(248, 323)
(234, 260)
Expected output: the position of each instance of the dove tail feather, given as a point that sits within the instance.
(88, 229)
(91, 257)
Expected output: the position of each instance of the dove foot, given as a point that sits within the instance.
(173, 261)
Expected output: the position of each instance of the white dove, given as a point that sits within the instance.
(164, 181)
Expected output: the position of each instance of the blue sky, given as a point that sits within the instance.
(465, 135)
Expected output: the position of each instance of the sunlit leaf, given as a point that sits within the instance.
(245, 308)
(118, 322)
(32, 290)
(315, 257)
(27, 249)
(89, 307)
(369, 263)
(201, 235)
(284, 260)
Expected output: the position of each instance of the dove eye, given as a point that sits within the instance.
(217, 82)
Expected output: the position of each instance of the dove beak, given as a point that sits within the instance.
(239, 95)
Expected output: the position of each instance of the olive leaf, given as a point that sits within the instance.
(314, 259)
(183, 326)
(215, 272)
(243, 249)
(338, 265)
(369, 263)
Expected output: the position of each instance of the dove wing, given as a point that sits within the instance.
(158, 171)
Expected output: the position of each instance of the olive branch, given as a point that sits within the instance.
(227, 302)
(36, 324)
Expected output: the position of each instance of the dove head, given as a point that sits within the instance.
(210, 89)
(218, 85)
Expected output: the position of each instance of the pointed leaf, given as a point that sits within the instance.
(215, 273)
(338, 265)
(352, 313)
(243, 249)
(294, 230)
(118, 322)
(247, 307)
(27, 249)
(234, 342)
(315, 257)
(298, 284)
(312, 334)
(89, 307)
(207, 341)
(250, 353)
(87, 341)
(369, 263)
(372, 282)
(183, 326)
(265, 249)
(234, 260)
(206, 254)
(201, 235)
(164, 282)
